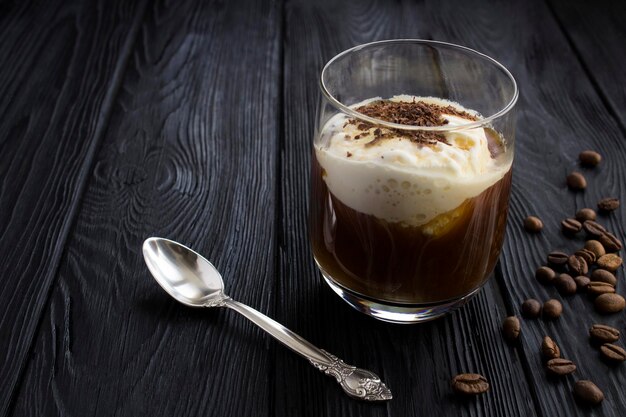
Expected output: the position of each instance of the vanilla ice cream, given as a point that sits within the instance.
(404, 181)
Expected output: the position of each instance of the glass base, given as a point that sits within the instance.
(397, 313)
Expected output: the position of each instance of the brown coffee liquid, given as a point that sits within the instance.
(403, 264)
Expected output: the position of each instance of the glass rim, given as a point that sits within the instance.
(470, 125)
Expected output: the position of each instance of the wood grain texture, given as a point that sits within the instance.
(596, 31)
(209, 142)
(417, 362)
(56, 89)
(189, 154)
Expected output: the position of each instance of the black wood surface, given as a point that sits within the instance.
(596, 33)
(189, 154)
(193, 120)
(61, 64)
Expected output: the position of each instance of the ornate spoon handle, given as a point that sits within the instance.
(357, 383)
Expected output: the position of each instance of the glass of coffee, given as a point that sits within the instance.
(411, 175)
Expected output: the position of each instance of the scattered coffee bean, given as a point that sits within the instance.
(544, 274)
(533, 224)
(565, 284)
(589, 158)
(560, 366)
(576, 181)
(587, 255)
(571, 226)
(581, 282)
(552, 309)
(598, 288)
(557, 258)
(607, 303)
(610, 242)
(550, 349)
(470, 384)
(595, 247)
(603, 275)
(511, 328)
(593, 228)
(585, 214)
(608, 204)
(610, 262)
(577, 265)
(587, 392)
(603, 333)
(531, 308)
(613, 352)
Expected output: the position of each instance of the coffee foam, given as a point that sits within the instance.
(402, 181)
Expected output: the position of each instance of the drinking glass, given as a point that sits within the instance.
(409, 244)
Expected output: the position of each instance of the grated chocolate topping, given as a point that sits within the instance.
(413, 113)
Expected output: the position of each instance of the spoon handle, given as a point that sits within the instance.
(356, 382)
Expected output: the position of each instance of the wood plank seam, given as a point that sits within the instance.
(592, 79)
(525, 360)
(278, 205)
(83, 177)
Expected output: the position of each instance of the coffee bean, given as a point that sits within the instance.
(608, 204)
(533, 224)
(610, 242)
(589, 158)
(597, 288)
(511, 328)
(595, 247)
(593, 228)
(550, 349)
(557, 258)
(587, 255)
(571, 226)
(587, 392)
(531, 308)
(565, 284)
(552, 309)
(470, 384)
(581, 282)
(607, 303)
(613, 352)
(585, 214)
(577, 265)
(603, 275)
(603, 333)
(560, 366)
(576, 181)
(545, 274)
(610, 262)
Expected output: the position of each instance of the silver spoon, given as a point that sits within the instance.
(194, 281)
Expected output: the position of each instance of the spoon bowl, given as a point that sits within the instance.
(184, 274)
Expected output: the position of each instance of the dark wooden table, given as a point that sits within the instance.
(193, 120)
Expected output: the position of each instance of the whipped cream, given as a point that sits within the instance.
(401, 181)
